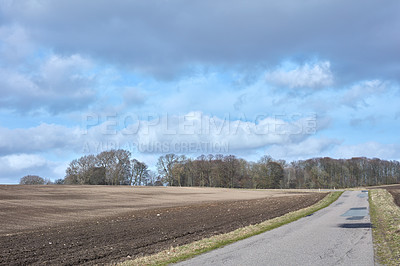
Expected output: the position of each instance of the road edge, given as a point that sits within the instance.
(185, 252)
(385, 215)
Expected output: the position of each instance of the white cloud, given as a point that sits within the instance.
(59, 84)
(42, 138)
(178, 34)
(193, 133)
(15, 44)
(358, 94)
(22, 161)
(315, 76)
(163, 133)
(56, 67)
(15, 166)
(197, 128)
(311, 147)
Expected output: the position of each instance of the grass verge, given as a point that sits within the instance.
(385, 216)
(180, 253)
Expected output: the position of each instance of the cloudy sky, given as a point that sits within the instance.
(290, 79)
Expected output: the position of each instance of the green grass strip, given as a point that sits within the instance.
(180, 253)
(385, 217)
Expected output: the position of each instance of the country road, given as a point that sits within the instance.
(337, 235)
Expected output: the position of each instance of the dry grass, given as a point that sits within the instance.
(190, 250)
(385, 216)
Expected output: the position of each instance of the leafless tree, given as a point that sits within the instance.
(32, 180)
(139, 174)
(165, 165)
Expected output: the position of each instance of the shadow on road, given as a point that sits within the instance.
(356, 225)
(353, 218)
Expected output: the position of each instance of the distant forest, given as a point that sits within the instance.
(116, 167)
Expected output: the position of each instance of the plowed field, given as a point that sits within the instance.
(99, 224)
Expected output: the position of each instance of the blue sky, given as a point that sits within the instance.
(290, 79)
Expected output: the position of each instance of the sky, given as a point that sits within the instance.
(289, 79)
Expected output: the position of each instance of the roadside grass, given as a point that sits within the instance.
(180, 253)
(385, 217)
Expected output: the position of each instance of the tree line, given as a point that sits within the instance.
(230, 171)
(116, 167)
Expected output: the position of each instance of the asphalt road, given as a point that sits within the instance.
(337, 235)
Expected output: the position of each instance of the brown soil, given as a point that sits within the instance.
(50, 205)
(113, 237)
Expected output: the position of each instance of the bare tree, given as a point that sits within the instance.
(122, 168)
(117, 164)
(79, 170)
(153, 179)
(32, 180)
(165, 165)
(139, 173)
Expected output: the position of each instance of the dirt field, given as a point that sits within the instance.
(95, 225)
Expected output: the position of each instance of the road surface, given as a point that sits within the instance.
(337, 235)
